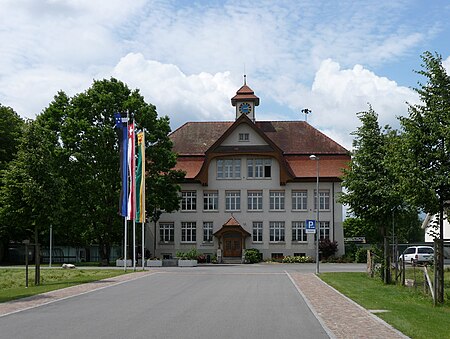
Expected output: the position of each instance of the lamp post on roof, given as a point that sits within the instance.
(316, 158)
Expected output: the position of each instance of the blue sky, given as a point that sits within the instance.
(188, 57)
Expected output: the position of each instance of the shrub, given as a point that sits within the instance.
(190, 255)
(252, 256)
(297, 259)
(328, 248)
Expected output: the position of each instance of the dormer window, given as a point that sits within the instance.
(244, 137)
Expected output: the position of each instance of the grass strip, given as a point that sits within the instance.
(410, 311)
(12, 280)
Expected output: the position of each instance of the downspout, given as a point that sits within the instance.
(332, 213)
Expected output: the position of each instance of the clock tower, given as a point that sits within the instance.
(245, 101)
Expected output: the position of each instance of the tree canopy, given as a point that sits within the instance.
(73, 152)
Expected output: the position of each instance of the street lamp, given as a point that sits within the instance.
(316, 158)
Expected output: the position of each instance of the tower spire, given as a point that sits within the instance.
(245, 79)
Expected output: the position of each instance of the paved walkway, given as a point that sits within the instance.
(340, 316)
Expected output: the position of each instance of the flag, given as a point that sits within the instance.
(140, 179)
(123, 149)
(131, 171)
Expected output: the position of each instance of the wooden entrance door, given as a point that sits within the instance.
(232, 247)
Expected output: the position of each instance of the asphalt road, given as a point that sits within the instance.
(248, 301)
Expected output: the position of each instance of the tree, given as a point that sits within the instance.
(91, 162)
(11, 128)
(71, 154)
(371, 192)
(32, 190)
(426, 148)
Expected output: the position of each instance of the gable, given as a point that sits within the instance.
(238, 137)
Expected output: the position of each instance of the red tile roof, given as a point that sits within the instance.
(245, 93)
(329, 166)
(297, 140)
(292, 137)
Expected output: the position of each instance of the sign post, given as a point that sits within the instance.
(310, 226)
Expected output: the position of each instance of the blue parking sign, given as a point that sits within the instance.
(310, 226)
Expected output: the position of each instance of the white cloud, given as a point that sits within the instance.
(446, 64)
(202, 96)
(336, 95)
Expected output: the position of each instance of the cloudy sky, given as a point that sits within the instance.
(188, 57)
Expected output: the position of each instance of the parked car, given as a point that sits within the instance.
(417, 255)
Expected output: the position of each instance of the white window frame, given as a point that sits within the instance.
(254, 200)
(188, 201)
(208, 227)
(210, 200)
(228, 168)
(232, 201)
(166, 232)
(244, 137)
(324, 200)
(299, 231)
(257, 232)
(324, 230)
(276, 231)
(276, 200)
(299, 200)
(188, 231)
(257, 167)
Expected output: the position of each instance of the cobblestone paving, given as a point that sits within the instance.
(340, 315)
(48, 297)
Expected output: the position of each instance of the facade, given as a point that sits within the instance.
(252, 184)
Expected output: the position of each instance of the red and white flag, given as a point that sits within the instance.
(132, 173)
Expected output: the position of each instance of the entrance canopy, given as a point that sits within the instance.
(232, 226)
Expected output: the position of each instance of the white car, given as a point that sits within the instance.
(417, 255)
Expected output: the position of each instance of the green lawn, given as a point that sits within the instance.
(410, 311)
(12, 281)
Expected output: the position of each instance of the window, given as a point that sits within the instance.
(233, 200)
(257, 231)
(276, 199)
(324, 200)
(255, 201)
(324, 229)
(259, 168)
(298, 231)
(210, 201)
(276, 231)
(300, 254)
(207, 231)
(299, 200)
(188, 200)
(229, 168)
(188, 232)
(166, 232)
(244, 137)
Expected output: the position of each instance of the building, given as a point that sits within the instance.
(252, 184)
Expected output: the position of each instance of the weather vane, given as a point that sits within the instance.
(306, 111)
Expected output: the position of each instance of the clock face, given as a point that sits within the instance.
(245, 108)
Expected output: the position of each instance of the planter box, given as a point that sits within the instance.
(170, 262)
(154, 263)
(120, 263)
(187, 263)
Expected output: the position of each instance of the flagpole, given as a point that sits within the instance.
(143, 198)
(125, 245)
(126, 218)
(133, 202)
